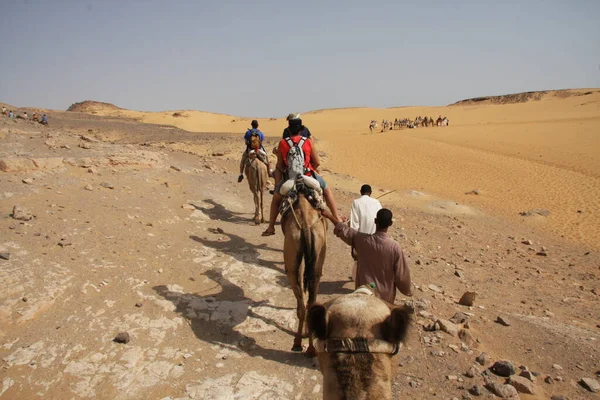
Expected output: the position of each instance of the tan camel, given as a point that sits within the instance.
(257, 175)
(357, 336)
(305, 232)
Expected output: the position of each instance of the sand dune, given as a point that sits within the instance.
(542, 153)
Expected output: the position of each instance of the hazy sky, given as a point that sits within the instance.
(268, 58)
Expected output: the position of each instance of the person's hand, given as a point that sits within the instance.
(326, 213)
(343, 218)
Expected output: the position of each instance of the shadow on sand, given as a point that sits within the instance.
(219, 213)
(214, 319)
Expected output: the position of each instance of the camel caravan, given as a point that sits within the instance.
(400, 123)
(354, 336)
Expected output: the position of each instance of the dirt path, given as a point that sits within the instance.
(151, 235)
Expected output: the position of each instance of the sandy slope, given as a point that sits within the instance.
(538, 154)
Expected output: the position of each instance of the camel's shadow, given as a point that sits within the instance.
(218, 212)
(221, 319)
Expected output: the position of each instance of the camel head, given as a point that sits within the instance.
(358, 334)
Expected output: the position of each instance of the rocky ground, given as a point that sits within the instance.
(111, 228)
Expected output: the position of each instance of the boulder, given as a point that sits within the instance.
(448, 327)
(523, 385)
(503, 391)
(48, 162)
(16, 164)
(503, 368)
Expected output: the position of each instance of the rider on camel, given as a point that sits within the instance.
(254, 139)
(311, 164)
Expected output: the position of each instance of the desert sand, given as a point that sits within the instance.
(123, 226)
(538, 154)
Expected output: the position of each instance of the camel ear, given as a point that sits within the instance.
(316, 320)
(395, 326)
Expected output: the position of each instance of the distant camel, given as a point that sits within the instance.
(357, 336)
(257, 175)
(305, 232)
(373, 125)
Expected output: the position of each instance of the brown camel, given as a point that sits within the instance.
(305, 232)
(257, 175)
(357, 336)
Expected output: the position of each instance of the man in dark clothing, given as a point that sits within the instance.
(303, 130)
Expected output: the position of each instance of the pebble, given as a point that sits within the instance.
(176, 168)
(107, 185)
(542, 253)
(21, 214)
(528, 375)
(590, 384)
(27, 181)
(65, 242)
(434, 288)
(472, 372)
(88, 187)
(557, 367)
(467, 299)
(503, 368)
(122, 337)
(5, 256)
(527, 242)
(24, 299)
(448, 327)
(476, 390)
(138, 305)
(460, 274)
(502, 321)
(548, 380)
(483, 359)
(459, 318)
(503, 391)
(452, 377)
(558, 398)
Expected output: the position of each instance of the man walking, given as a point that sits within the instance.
(380, 258)
(362, 217)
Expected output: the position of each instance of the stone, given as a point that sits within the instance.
(48, 162)
(460, 274)
(557, 367)
(590, 384)
(542, 253)
(5, 256)
(176, 168)
(527, 242)
(107, 185)
(467, 299)
(24, 299)
(503, 368)
(502, 321)
(467, 338)
(459, 318)
(472, 372)
(218, 154)
(85, 145)
(476, 390)
(21, 214)
(88, 187)
(523, 385)
(16, 164)
(528, 375)
(434, 288)
(502, 391)
(558, 398)
(27, 181)
(448, 327)
(138, 305)
(65, 242)
(548, 379)
(475, 192)
(88, 138)
(122, 337)
(535, 212)
(452, 377)
(483, 359)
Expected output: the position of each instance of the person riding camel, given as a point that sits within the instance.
(311, 164)
(254, 139)
(277, 174)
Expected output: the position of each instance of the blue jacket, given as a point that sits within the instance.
(251, 132)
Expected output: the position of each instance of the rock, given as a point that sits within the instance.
(218, 154)
(467, 299)
(434, 288)
(558, 398)
(48, 163)
(24, 299)
(483, 359)
(503, 368)
(542, 253)
(176, 168)
(107, 185)
(590, 384)
(460, 274)
(16, 164)
(5, 256)
(459, 318)
(21, 214)
(502, 321)
(122, 337)
(452, 377)
(476, 192)
(503, 391)
(476, 390)
(472, 372)
(548, 379)
(85, 145)
(467, 338)
(138, 305)
(536, 211)
(523, 385)
(448, 327)
(65, 242)
(88, 187)
(528, 375)
(527, 242)
(27, 181)
(87, 138)
(426, 314)
(557, 367)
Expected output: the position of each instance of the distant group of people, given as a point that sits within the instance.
(400, 123)
(35, 117)
(379, 258)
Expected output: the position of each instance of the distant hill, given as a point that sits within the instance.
(523, 97)
(92, 107)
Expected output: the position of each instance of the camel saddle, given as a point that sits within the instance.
(300, 187)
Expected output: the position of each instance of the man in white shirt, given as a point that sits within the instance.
(362, 216)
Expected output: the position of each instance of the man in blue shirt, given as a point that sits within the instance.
(254, 139)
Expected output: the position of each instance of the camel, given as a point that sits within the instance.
(305, 232)
(257, 175)
(357, 336)
(373, 125)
